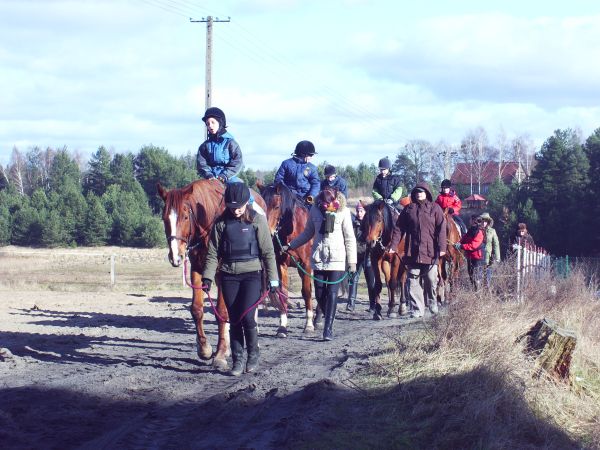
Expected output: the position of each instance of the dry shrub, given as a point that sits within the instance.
(469, 362)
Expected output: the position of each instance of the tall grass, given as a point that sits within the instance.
(467, 383)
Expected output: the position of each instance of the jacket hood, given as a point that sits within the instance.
(488, 218)
(423, 186)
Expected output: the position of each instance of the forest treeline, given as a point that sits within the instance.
(52, 198)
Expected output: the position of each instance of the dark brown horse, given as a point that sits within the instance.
(451, 262)
(287, 217)
(378, 226)
(188, 216)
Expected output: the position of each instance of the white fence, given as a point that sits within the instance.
(531, 263)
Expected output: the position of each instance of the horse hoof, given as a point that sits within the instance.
(309, 330)
(403, 310)
(220, 364)
(204, 352)
(377, 316)
(282, 332)
(391, 314)
(319, 325)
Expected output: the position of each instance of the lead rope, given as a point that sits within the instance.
(280, 295)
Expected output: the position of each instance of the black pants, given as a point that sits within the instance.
(240, 292)
(324, 291)
(363, 263)
(475, 270)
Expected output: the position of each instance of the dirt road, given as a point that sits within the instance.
(116, 370)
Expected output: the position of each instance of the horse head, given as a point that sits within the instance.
(376, 223)
(273, 200)
(179, 220)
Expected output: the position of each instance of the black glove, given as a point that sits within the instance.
(351, 268)
(450, 210)
(206, 284)
(389, 201)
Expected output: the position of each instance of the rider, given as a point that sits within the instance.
(473, 244)
(387, 186)
(240, 241)
(333, 180)
(448, 199)
(299, 174)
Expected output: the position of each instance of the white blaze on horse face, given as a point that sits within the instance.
(173, 244)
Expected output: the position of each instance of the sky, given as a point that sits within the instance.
(357, 78)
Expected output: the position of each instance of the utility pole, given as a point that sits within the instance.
(209, 20)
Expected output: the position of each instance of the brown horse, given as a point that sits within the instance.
(450, 264)
(188, 216)
(287, 216)
(378, 226)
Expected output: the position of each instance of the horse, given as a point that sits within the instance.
(188, 216)
(378, 226)
(287, 216)
(449, 265)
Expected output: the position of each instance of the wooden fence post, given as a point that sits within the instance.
(112, 270)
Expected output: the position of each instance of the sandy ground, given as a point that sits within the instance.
(105, 370)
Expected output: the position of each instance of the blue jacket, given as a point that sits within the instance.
(302, 178)
(219, 156)
(338, 183)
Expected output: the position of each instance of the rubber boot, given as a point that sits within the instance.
(236, 339)
(352, 294)
(253, 350)
(330, 310)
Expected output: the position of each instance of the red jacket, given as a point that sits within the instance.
(471, 244)
(449, 200)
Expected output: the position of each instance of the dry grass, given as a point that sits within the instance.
(470, 385)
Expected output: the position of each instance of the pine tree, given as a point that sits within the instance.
(97, 222)
(98, 175)
(592, 150)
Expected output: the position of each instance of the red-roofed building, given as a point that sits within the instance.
(478, 178)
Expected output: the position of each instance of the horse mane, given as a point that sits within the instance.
(175, 198)
(289, 203)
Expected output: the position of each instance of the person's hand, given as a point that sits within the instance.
(442, 254)
(222, 178)
(285, 248)
(457, 245)
(273, 285)
(389, 201)
(390, 250)
(206, 284)
(351, 268)
(451, 211)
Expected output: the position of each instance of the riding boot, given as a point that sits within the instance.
(253, 350)
(352, 294)
(236, 339)
(330, 310)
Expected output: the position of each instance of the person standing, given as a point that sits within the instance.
(240, 239)
(522, 236)
(299, 174)
(424, 224)
(333, 180)
(448, 199)
(363, 262)
(492, 246)
(473, 244)
(333, 250)
(387, 186)
(219, 156)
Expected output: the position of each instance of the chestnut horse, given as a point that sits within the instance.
(452, 261)
(188, 216)
(378, 227)
(287, 216)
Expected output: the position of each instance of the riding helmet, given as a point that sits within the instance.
(217, 114)
(305, 148)
(236, 195)
(446, 184)
(329, 170)
(384, 163)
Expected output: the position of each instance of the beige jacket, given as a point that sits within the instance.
(330, 251)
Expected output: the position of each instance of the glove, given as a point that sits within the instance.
(450, 211)
(457, 245)
(389, 201)
(285, 248)
(273, 285)
(351, 268)
(222, 178)
(206, 284)
(309, 199)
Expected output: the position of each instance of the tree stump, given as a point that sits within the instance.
(554, 348)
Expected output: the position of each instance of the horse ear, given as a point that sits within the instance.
(260, 185)
(381, 205)
(161, 191)
(278, 188)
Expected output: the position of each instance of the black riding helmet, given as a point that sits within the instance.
(215, 113)
(304, 148)
(446, 184)
(236, 195)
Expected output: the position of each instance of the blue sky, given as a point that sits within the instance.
(358, 78)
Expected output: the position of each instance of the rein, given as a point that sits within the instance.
(280, 295)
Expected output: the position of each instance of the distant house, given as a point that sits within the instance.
(472, 176)
(475, 201)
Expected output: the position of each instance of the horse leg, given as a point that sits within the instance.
(204, 349)
(309, 327)
(377, 269)
(220, 358)
(282, 330)
(390, 280)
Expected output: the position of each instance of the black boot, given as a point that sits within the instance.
(253, 350)
(330, 310)
(352, 294)
(236, 339)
